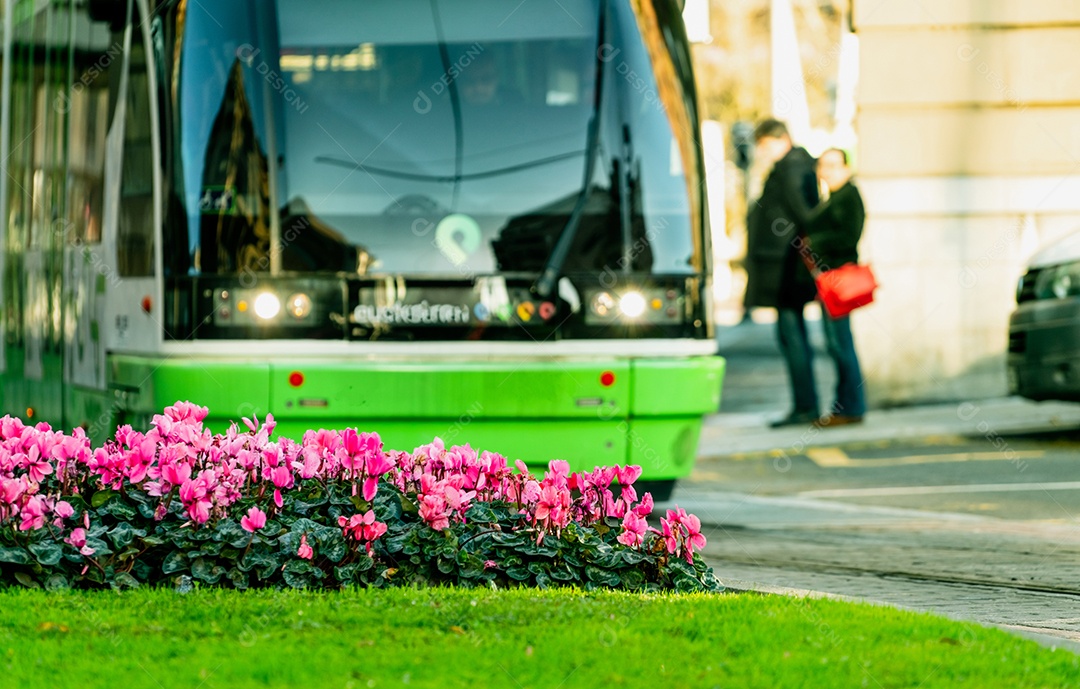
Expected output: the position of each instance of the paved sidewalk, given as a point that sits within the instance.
(731, 433)
(756, 392)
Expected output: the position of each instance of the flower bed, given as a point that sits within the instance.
(240, 510)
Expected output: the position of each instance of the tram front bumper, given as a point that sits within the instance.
(613, 411)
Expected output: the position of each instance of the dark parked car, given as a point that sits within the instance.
(1044, 331)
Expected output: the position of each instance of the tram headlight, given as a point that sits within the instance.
(632, 304)
(637, 306)
(299, 305)
(267, 306)
(603, 304)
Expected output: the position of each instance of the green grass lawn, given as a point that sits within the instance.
(523, 638)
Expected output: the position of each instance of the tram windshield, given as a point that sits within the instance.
(407, 136)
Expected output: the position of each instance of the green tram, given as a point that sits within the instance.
(475, 219)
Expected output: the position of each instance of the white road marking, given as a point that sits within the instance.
(940, 490)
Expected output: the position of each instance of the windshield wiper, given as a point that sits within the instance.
(416, 177)
(549, 276)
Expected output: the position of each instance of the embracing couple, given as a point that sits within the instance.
(791, 229)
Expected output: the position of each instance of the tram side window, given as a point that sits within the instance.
(135, 240)
(88, 104)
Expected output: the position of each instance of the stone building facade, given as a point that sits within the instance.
(969, 159)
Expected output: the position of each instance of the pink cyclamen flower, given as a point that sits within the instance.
(362, 527)
(645, 507)
(255, 520)
(10, 490)
(175, 473)
(694, 539)
(669, 533)
(37, 467)
(559, 467)
(63, 510)
(33, 513)
(305, 550)
(433, 511)
(282, 477)
(77, 539)
(628, 474)
(634, 528)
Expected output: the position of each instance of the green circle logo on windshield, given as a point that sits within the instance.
(457, 236)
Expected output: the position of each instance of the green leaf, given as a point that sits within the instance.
(446, 565)
(510, 560)
(119, 509)
(124, 580)
(101, 548)
(176, 561)
(564, 573)
(56, 582)
(685, 584)
(300, 574)
(143, 571)
(364, 563)
(480, 512)
(230, 531)
(633, 579)
(122, 534)
(203, 569)
(146, 510)
(509, 538)
(360, 503)
(15, 555)
(238, 578)
(469, 565)
(518, 573)
(256, 557)
(388, 504)
(101, 497)
(407, 505)
(47, 553)
(26, 580)
(633, 557)
(333, 549)
(212, 548)
(346, 574)
(602, 576)
(680, 566)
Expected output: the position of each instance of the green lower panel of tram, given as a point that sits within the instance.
(615, 411)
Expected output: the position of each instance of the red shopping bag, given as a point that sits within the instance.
(846, 288)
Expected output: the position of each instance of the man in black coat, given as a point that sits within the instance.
(777, 276)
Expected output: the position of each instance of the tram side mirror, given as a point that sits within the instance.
(113, 12)
(742, 141)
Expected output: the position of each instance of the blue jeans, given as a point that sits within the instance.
(850, 397)
(795, 346)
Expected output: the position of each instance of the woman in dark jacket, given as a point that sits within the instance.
(833, 231)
